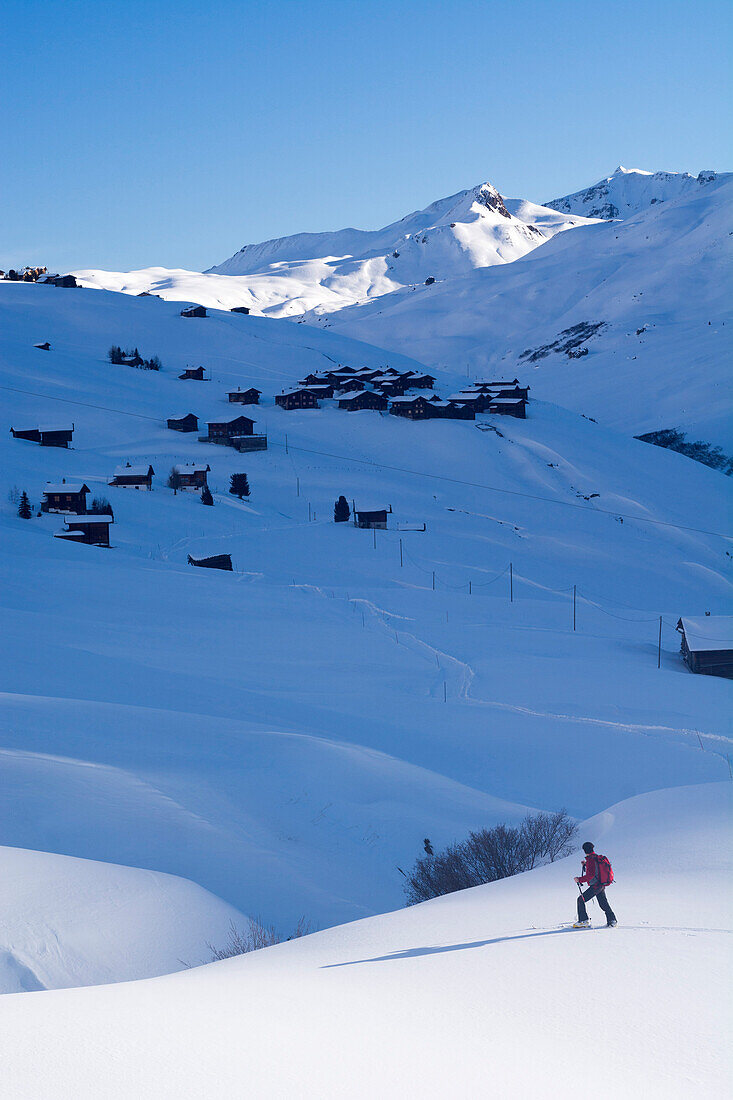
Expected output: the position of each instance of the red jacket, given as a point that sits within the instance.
(590, 869)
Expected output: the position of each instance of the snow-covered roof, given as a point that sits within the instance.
(407, 400)
(192, 468)
(52, 428)
(506, 400)
(65, 487)
(358, 393)
(463, 396)
(132, 471)
(708, 633)
(68, 534)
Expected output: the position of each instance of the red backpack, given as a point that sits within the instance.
(604, 870)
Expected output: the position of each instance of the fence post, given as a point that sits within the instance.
(400, 553)
(511, 583)
(445, 692)
(433, 580)
(286, 443)
(469, 588)
(374, 533)
(297, 486)
(573, 607)
(659, 650)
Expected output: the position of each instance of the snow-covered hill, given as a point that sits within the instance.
(285, 735)
(68, 922)
(478, 993)
(651, 297)
(327, 271)
(629, 190)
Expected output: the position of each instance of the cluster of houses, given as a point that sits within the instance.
(70, 499)
(387, 389)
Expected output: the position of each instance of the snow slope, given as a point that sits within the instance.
(659, 283)
(630, 190)
(327, 271)
(287, 734)
(478, 993)
(71, 922)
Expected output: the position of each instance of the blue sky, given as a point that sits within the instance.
(172, 133)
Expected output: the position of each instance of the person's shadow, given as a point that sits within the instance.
(415, 952)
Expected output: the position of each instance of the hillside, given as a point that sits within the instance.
(326, 271)
(479, 990)
(285, 735)
(628, 191)
(652, 290)
(71, 922)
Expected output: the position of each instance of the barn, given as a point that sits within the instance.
(707, 644)
(297, 399)
(418, 381)
(89, 530)
(187, 423)
(245, 397)
(66, 496)
(133, 477)
(374, 518)
(49, 435)
(508, 406)
(193, 311)
(239, 309)
(223, 431)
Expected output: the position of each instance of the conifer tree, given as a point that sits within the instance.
(24, 508)
(239, 486)
(341, 510)
(206, 497)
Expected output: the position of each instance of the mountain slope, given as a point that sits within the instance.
(287, 734)
(327, 271)
(630, 190)
(654, 287)
(481, 989)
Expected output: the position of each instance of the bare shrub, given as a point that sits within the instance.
(492, 854)
(254, 937)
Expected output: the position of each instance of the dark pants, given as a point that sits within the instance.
(594, 892)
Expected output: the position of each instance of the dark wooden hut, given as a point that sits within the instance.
(188, 423)
(707, 644)
(363, 399)
(297, 399)
(65, 496)
(133, 477)
(191, 475)
(223, 431)
(508, 406)
(46, 435)
(193, 311)
(414, 408)
(215, 561)
(373, 518)
(245, 397)
(90, 530)
(239, 309)
(194, 374)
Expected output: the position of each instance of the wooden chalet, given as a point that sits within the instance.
(363, 399)
(418, 381)
(448, 410)
(239, 309)
(371, 519)
(707, 644)
(297, 399)
(187, 423)
(350, 385)
(389, 386)
(323, 390)
(470, 400)
(191, 475)
(223, 431)
(131, 361)
(194, 374)
(66, 496)
(414, 408)
(245, 397)
(317, 379)
(89, 530)
(215, 561)
(63, 281)
(46, 435)
(193, 311)
(508, 406)
(133, 477)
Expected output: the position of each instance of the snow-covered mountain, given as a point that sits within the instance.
(630, 190)
(651, 294)
(326, 271)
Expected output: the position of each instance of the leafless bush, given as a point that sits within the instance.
(254, 937)
(491, 854)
